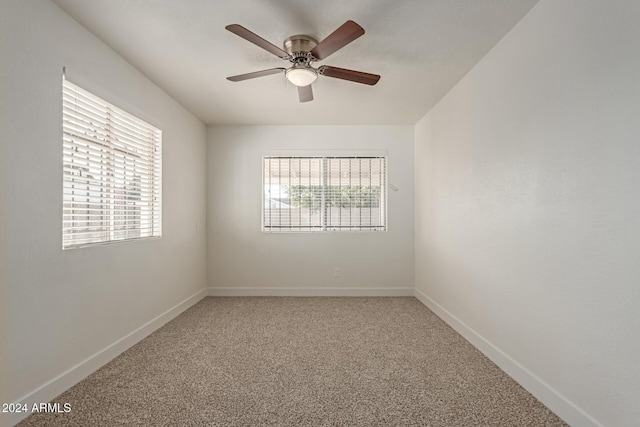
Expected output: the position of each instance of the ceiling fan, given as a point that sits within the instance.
(302, 50)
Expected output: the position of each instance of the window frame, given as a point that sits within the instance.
(325, 155)
(119, 197)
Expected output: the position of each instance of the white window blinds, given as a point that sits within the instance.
(324, 194)
(112, 188)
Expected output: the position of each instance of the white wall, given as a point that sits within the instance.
(527, 207)
(65, 306)
(244, 260)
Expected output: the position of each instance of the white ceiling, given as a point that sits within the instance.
(421, 48)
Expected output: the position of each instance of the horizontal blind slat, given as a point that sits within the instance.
(84, 96)
(84, 185)
(88, 115)
(105, 136)
(79, 162)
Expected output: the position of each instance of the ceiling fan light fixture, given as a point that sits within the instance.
(301, 76)
(301, 51)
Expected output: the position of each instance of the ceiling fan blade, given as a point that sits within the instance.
(305, 93)
(348, 32)
(351, 75)
(239, 30)
(255, 74)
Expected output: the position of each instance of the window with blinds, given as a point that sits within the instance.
(324, 194)
(112, 189)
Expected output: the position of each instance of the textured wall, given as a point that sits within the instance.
(240, 255)
(527, 204)
(64, 306)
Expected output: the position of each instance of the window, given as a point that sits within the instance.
(111, 172)
(324, 194)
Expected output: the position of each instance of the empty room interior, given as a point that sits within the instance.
(320, 213)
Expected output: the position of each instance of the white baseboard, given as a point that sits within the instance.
(563, 407)
(310, 292)
(71, 377)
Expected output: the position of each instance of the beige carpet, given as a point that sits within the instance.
(301, 362)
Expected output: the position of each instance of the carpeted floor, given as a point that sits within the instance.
(301, 362)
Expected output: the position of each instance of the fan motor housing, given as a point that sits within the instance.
(299, 46)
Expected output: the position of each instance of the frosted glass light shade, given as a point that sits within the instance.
(301, 76)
